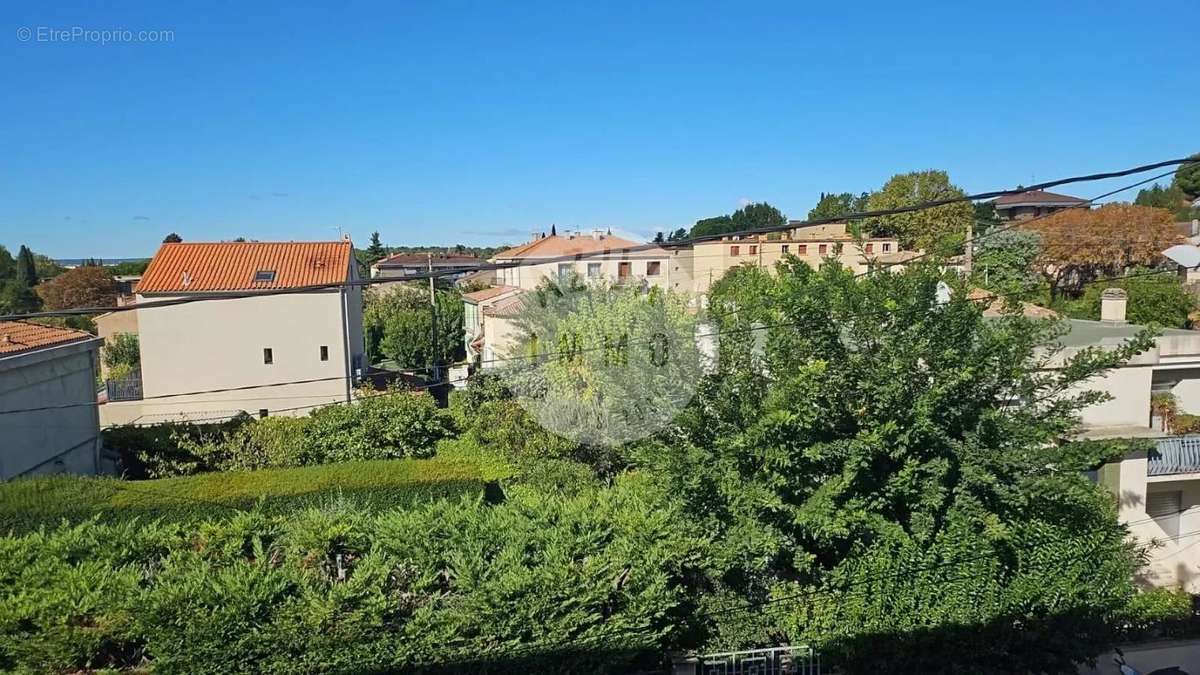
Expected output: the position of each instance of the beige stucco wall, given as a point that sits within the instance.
(501, 339)
(1129, 388)
(60, 440)
(528, 277)
(219, 344)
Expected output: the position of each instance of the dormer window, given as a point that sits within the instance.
(264, 276)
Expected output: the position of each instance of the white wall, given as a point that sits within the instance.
(218, 344)
(1130, 405)
(63, 440)
(529, 276)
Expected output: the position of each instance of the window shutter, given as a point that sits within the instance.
(1159, 504)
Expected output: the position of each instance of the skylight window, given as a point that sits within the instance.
(266, 276)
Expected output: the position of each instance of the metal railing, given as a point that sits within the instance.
(126, 388)
(795, 660)
(1176, 454)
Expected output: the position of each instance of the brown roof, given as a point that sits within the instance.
(557, 245)
(508, 306)
(487, 293)
(22, 336)
(1039, 197)
(411, 259)
(231, 266)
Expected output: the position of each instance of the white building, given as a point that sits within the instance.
(261, 355)
(48, 419)
(598, 255)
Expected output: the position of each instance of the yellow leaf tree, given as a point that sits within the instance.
(1081, 245)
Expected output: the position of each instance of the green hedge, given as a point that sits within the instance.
(32, 502)
(592, 584)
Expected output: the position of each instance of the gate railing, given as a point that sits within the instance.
(795, 660)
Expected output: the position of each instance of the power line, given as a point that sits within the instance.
(606, 252)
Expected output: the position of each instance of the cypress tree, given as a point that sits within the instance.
(26, 268)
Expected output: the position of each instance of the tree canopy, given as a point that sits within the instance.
(376, 249)
(836, 205)
(942, 228)
(84, 286)
(749, 217)
(26, 268)
(397, 325)
(172, 238)
(1079, 245)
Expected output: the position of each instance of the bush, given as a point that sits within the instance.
(592, 584)
(29, 503)
(122, 351)
(380, 426)
(1159, 299)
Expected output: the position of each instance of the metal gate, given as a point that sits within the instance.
(799, 660)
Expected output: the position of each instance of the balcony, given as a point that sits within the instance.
(127, 388)
(1174, 455)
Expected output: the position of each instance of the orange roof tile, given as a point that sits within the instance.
(231, 266)
(21, 336)
(487, 293)
(557, 245)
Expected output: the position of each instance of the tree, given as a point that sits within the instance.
(749, 217)
(1079, 245)
(1171, 198)
(857, 450)
(47, 268)
(836, 205)
(17, 298)
(1187, 179)
(942, 228)
(172, 239)
(659, 237)
(129, 267)
(376, 250)
(397, 320)
(1156, 299)
(1004, 261)
(26, 267)
(8, 266)
(678, 235)
(85, 286)
(122, 355)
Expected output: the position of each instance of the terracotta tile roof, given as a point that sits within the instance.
(487, 293)
(509, 306)
(442, 259)
(557, 245)
(231, 266)
(22, 336)
(1037, 197)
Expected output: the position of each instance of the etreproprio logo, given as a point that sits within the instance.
(603, 364)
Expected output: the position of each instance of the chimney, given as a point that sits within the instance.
(597, 234)
(1112, 305)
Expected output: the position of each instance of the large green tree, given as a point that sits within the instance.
(26, 267)
(749, 217)
(1187, 179)
(942, 228)
(376, 249)
(398, 325)
(836, 205)
(8, 265)
(859, 434)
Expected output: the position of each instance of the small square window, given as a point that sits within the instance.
(264, 276)
(324, 353)
(593, 270)
(735, 250)
(785, 249)
(268, 356)
(652, 268)
(823, 249)
(753, 250)
(262, 412)
(565, 269)
(870, 248)
(887, 247)
(802, 249)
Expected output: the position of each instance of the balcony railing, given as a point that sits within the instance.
(126, 388)
(1177, 454)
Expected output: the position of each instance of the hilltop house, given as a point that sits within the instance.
(294, 343)
(407, 264)
(48, 421)
(1033, 204)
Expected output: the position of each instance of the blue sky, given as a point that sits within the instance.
(443, 122)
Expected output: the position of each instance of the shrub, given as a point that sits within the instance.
(1185, 424)
(398, 424)
(122, 351)
(591, 584)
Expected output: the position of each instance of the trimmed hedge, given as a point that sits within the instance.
(592, 584)
(29, 503)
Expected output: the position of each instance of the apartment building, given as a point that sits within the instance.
(593, 256)
(295, 342)
(1034, 204)
(401, 265)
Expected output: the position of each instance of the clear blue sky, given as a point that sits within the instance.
(439, 123)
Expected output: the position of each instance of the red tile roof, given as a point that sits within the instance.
(22, 336)
(231, 266)
(557, 245)
(1037, 197)
(487, 293)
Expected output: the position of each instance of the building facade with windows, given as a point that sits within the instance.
(1034, 204)
(284, 349)
(598, 255)
(48, 418)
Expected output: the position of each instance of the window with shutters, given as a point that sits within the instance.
(1164, 507)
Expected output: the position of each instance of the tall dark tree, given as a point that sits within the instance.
(26, 268)
(836, 205)
(8, 266)
(659, 237)
(749, 217)
(678, 235)
(172, 239)
(376, 250)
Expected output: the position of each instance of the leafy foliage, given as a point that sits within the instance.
(941, 228)
(397, 326)
(1004, 261)
(1187, 179)
(1157, 299)
(172, 238)
(591, 584)
(1080, 245)
(122, 350)
(750, 216)
(836, 205)
(84, 286)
